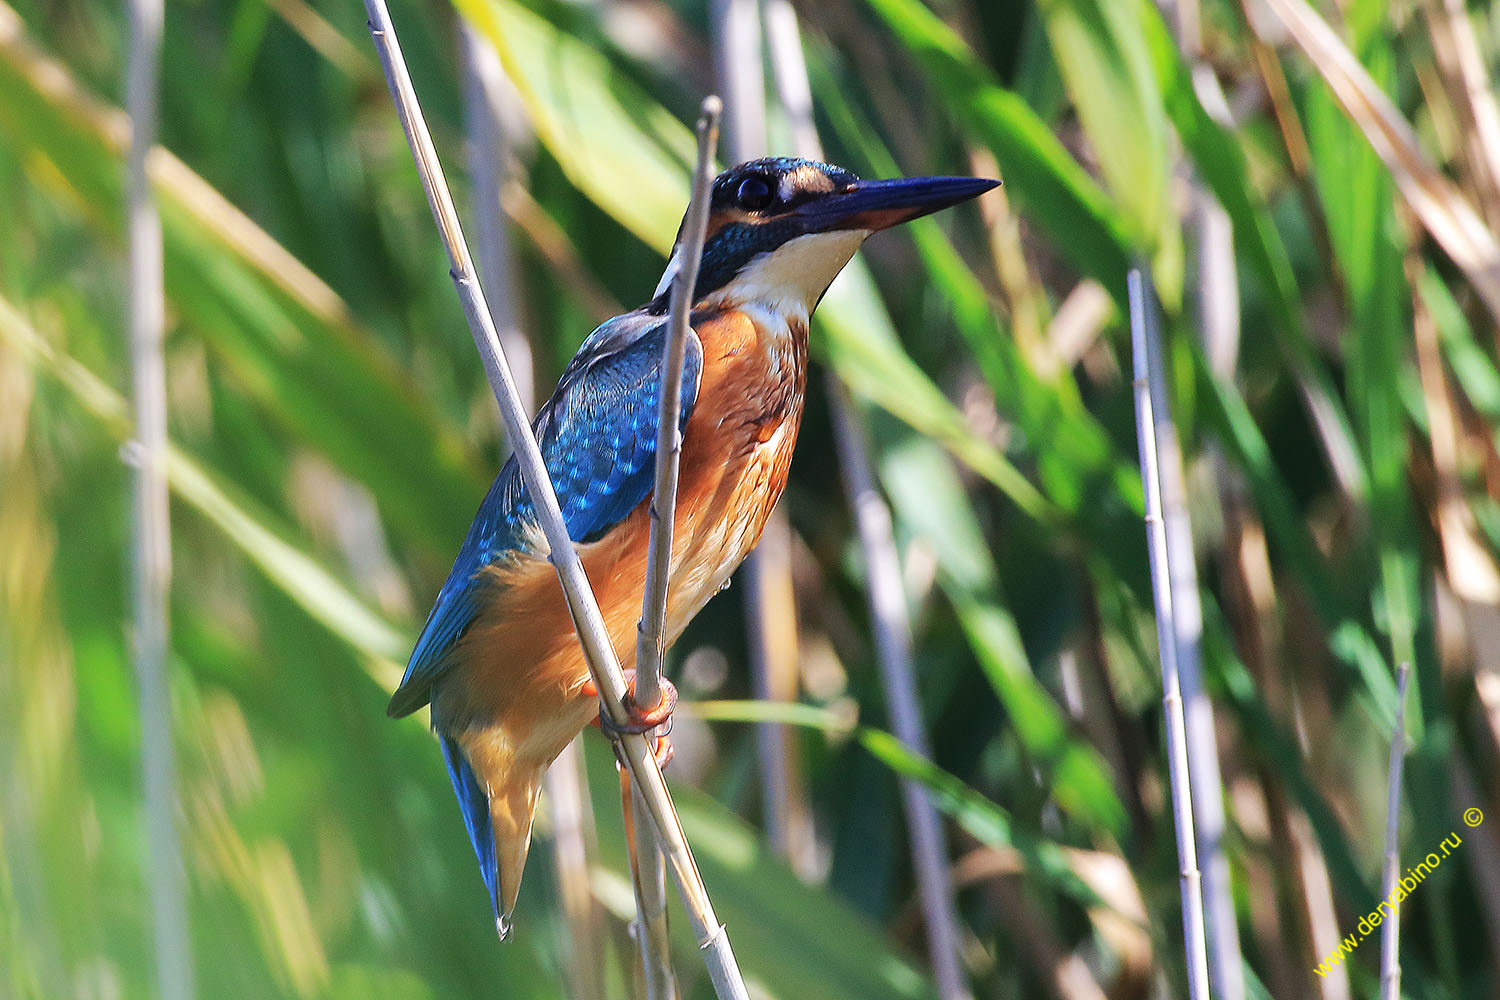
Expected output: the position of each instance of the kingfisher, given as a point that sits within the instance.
(497, 658)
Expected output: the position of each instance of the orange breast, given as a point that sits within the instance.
(523, 668)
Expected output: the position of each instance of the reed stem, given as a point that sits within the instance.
(151, 535)
(883, 587)
(604, 664)
(647, 872)
(770, 606)
(1143, 338)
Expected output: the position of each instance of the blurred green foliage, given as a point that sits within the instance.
(333, 433)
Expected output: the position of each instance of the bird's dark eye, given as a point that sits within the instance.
(754, 194)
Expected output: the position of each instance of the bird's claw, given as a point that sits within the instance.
(638, 721)
(645, 720)
(663, 750)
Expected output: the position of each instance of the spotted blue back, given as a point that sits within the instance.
(597, 436)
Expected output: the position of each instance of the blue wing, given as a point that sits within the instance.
(598, 439)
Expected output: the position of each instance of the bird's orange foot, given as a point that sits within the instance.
(663, 750)
(639, 720)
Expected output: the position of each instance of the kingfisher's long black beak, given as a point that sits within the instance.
(876, 205)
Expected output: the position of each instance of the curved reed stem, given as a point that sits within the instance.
(604, 665)
(647, 871)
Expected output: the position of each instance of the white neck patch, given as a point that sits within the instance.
(795, 274)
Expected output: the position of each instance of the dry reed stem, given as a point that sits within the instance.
(1437, 202)
(1217, 295)
(1462, 67)
(893, 651)
(490, 151)
(1471, 570)
(575, 849)
(884, 589)
(604, 665)
(1190, 881)
(487, 90)
(151, 548)
(770, 607)
(1186, 621)
(647, 872)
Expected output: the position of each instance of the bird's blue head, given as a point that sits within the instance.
(781, 228)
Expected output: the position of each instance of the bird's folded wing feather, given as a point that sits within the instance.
(597, 436)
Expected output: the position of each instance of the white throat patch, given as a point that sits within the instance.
(795, 274)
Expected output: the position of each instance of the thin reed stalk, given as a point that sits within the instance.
(650, 639)
(1226, 975)
(604, 665)
(737, 66)
(893, 652)
(883, 588)
(151, 529)
(648, 874)
(1390, 927)
(1142, 339)
(575, 852)
(648, 878)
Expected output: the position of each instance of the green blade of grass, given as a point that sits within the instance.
(290, 342)
(580, 108)
(1100, 49)
(302, 577)
(1042, 178)
(928, 500)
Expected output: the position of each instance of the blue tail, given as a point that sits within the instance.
(475, 806)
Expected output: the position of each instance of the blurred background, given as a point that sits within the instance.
(1330, 282)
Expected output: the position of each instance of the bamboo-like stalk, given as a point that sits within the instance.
(650, 638)
(1226, 974)
(1142, 317)
(649, 877)
(883, 588)
(604, 665)
(1390, 927)
(151, 529)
